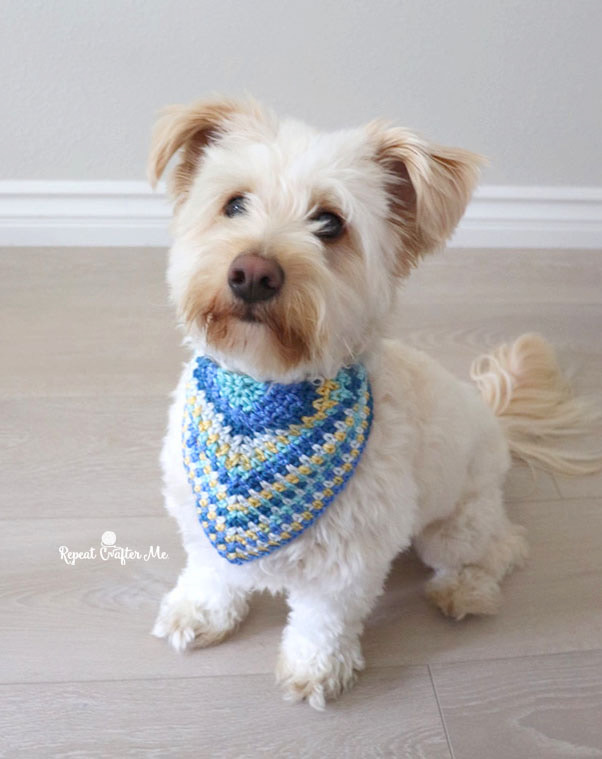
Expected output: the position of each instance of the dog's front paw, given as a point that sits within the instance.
(319, 678)
(188, 623)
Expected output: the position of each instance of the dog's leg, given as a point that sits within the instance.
(320, 654)
(471, 551)
(202, 609)
(206, 604)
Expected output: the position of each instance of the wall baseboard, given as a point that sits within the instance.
(46, 213)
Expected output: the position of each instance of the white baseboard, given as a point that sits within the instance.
(532, 217)
(40, 213)
(97, 214)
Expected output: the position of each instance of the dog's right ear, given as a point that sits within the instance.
(192, 128)
(428, 186)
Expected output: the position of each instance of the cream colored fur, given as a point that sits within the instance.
(538, 411)
(434, 466)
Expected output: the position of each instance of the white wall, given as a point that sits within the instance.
(519, 80)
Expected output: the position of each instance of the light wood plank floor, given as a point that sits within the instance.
(89, 353)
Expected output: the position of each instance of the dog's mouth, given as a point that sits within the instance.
(246, 313)
(253, 313)
(259, 328)
(249, 315)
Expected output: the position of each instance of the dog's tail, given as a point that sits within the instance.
(525, 388)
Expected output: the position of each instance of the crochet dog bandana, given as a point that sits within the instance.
(265, 460)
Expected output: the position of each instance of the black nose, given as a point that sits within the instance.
(253, 278)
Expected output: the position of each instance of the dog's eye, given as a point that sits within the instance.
(235, 206)
(330, 227)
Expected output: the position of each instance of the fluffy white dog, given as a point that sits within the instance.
(289, 248)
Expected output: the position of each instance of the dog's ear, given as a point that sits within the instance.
(429, 187)
(191, 128)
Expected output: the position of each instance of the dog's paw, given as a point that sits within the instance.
(320, 678)
(472, 590)
(188, 623)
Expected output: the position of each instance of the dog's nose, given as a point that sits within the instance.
(253, 278)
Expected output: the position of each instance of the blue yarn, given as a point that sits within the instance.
(264, 459)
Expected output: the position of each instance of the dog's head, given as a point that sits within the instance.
(289, 243)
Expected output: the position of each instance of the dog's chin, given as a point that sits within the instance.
(256, 340)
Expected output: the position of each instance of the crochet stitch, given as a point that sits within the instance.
(264, 459)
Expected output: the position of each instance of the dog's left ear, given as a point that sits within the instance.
(429, 187)
(190, 129)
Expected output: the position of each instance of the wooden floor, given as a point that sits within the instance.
(89, 354)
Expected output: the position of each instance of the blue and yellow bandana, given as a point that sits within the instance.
(265, 460)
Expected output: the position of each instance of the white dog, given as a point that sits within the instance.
(289, 248)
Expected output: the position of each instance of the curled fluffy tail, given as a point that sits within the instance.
(541, 418)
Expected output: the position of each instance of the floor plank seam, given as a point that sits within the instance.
(92, 396)
(268, 673)
(103, 518)
(164, 515)
(543, 655)
(556, 485)
(441, 717)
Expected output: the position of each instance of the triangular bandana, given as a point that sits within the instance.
(265, 460)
